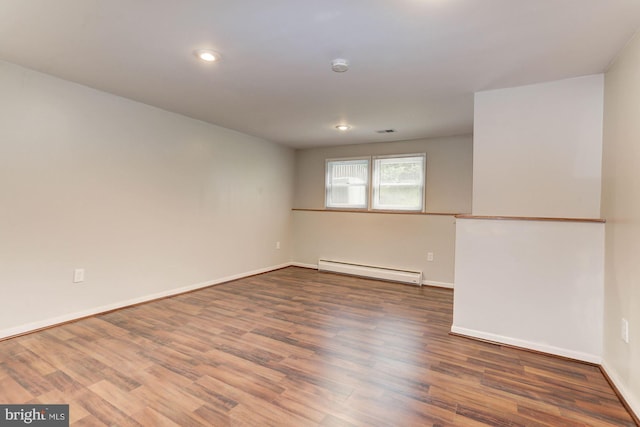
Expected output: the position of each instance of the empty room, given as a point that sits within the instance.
(320, 213)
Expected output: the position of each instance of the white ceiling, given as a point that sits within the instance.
(414, 63)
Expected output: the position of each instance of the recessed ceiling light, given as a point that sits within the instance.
(343, 128)
(207, 55)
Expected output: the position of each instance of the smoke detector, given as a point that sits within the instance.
(339, 65)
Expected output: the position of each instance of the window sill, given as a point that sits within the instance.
(364, 211)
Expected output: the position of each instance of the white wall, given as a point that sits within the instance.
(145, 200)
(538, 149)
(621, 208)
(387, 240)
(533, 284)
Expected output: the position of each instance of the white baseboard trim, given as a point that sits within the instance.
(303, 265)
(41, 324)
(633, 403)
(437, 284)
(543, 348)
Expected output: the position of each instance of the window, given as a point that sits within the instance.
(347, 183)
(397, 183)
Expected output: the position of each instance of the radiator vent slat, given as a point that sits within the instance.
(394, 275)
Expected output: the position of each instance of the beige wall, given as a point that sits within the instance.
(536, 153)
(386, 240)
(448, 181)
(398, 241)
(538, 149)
(531, 284)
(621, 208)
(145, 200)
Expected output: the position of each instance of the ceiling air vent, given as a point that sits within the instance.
(386, 131)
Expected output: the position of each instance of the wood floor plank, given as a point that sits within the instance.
(121, 399)
(150, 417)
(102, 410)
(11, 391)
(296, 347)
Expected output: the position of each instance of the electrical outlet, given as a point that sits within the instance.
(429, 256)
(624, 331)
(78, 275)
(277, 245)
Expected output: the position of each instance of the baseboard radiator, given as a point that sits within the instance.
(391, 274)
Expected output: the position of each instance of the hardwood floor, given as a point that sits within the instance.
(296, 347)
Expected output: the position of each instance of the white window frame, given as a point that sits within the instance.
(367, 193)
(371, 182)
(375, 184)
